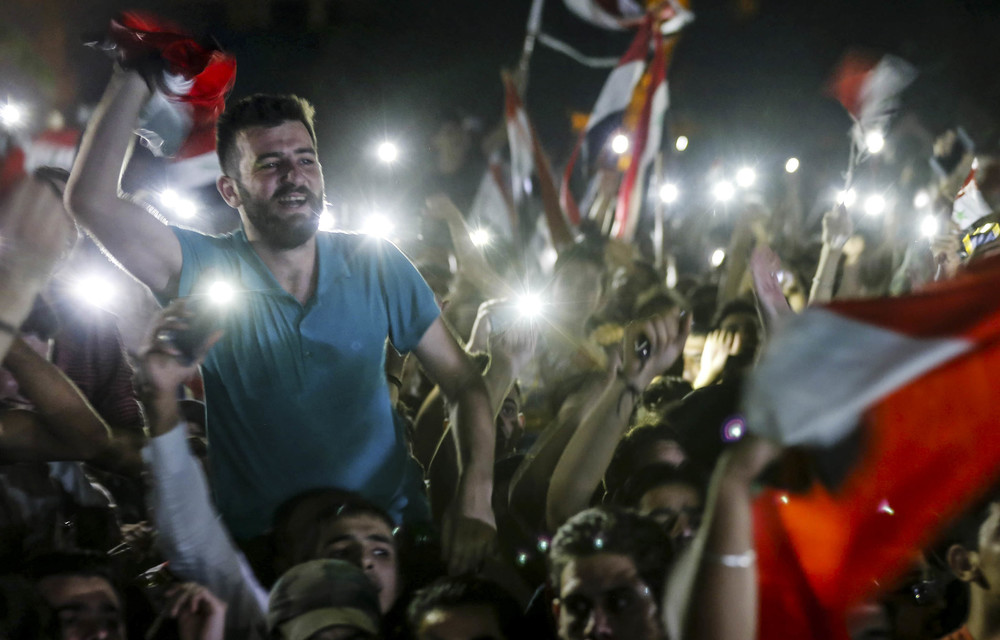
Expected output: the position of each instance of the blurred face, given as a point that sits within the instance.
(509, 424)
(676, 507)
(451, 144)
(602, 597)
(989, 548)
(367, 542)
(469, 622)
(85, 607)
(280, 185)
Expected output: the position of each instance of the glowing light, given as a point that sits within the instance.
(681, 144)
(620, 143)
(11, 115)
(481, 237)
(784, 499)
(717, 257)
(723, 191)
(875, 141)
(522, 558)
(884, 507)
(181, 206)
(388, 152)
(221, 292)
(921, 199)
(543, 545)
(745, 177)
(669, 193)
(326, 221)
(548, 258)
(530, 305)
(874, 205)
(792, 165)
(95, 290)
(847, 198)
(930, 225)
(377, 225)
(598, 543)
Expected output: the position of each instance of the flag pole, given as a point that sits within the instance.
(658, 210)
(530, 36)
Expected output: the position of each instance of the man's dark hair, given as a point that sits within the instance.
(449, 593)
(258, 110)
(734, 307)
(71, 563)
(618, 531)
(658, 475)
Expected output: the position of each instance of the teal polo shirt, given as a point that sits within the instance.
(296, 394)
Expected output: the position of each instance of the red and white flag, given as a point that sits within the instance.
(527, 157)
(914, 377)
(620, 15)
(869, 89)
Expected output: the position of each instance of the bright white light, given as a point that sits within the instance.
(745, 177)
(929, 225)
(388, 152)
(619, 144)
(326, 221)
(718, 256)
(183, 207)
(481, 237)
(221, 292)
(669, 193)
(792, 165)
(548, 258)
(874, 205)
(884, 507)
(847, 198)
(723, 191)
(921, 199)
(530, 306)
(11, 115)
(875, 141)
(377, 225)
(95, 290)
(682, 143)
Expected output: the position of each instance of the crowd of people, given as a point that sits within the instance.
(373, 441)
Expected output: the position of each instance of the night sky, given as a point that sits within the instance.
(746, 80)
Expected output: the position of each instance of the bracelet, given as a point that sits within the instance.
(6, 327)
(394, 380)
(743, 560)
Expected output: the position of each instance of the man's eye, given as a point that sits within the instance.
(619, 600)
(307, 161)
(382, 553)
(578, 607)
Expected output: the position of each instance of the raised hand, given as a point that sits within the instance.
(837, 227)
(765, 267)
(200, 614)
(719, 345)
(651, 346)
(36, 232)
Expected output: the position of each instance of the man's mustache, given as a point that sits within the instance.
(287, 191)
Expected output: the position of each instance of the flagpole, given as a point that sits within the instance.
(530, 36)
(658, 235)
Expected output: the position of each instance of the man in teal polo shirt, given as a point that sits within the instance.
(295, 389)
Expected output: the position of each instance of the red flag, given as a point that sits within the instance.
(931, 359)
(672, 15)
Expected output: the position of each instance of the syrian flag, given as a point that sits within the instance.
(869, 89)
(620, 15)
(527, 156)
(645, 143)
(614, 99)
(970, 205)
(192, 81)
(912, 380)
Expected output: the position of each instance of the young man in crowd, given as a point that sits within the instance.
(976, 562)
(608, 567)
(295, 391)
(462, 609)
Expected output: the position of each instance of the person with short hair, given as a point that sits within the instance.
(464, 608)
(608, 567)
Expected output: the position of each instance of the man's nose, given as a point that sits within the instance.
(93, 630)
(598, 626)
(291, 172)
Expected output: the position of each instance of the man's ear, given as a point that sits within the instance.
(964, 564)
(228, 191)
(555, 608)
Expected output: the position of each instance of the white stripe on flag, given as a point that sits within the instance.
(617, 91)
(195, 171)
(823, 370)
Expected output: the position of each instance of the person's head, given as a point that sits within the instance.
(741, 317)
(673, 496)
(465, 608)
(509, 423)
(452, 141)
(332, 523)
(579, 280)
(975, 557)
(648, 443)
(80, 589)
(608, 567)
(323, 600)
(271, 172)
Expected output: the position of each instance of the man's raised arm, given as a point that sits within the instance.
(135, 237)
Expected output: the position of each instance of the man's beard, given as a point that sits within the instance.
(282, 232)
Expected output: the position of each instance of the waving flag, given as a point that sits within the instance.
(527, 155)
(619, 15)
(869, 89)
(913, 380)
(970, 205)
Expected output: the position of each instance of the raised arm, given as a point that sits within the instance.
(469, 528)
(589, 451)
(837, 229)
(472, 265)
(138, 239)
